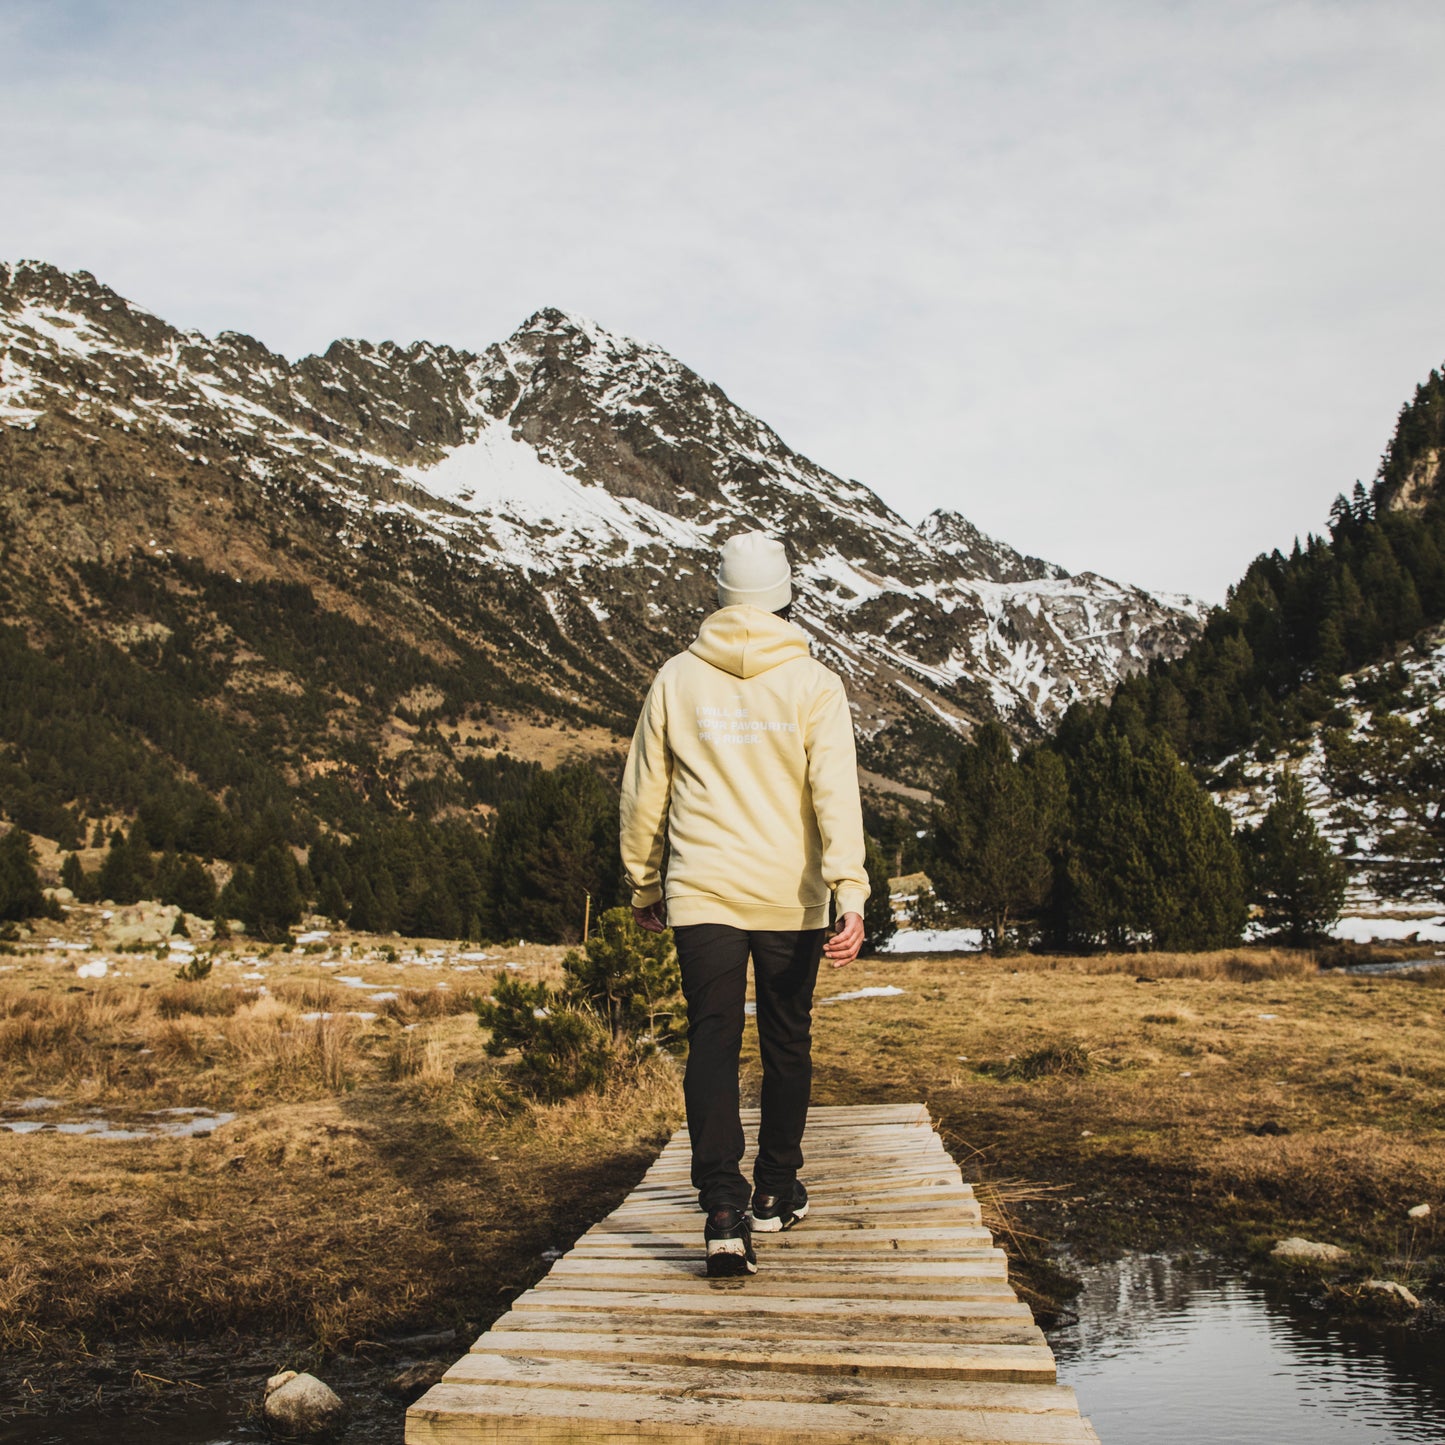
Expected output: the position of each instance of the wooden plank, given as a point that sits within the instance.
(961, 1211)
(897, 1238)
(711, 1383)
(731, 1304)
(878, 1287)
(865, 1170)
(449, 1413)
(1025, 1363)
(822, 1115)
(704, 1322)
(829, 1194)
(901, 1276)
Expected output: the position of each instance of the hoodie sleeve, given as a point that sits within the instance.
(646, 784)
(833, 778)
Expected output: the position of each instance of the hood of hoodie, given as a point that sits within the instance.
(745, 640)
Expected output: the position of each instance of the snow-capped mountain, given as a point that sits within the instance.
(556, 500)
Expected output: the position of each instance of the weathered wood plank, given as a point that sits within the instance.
(832, 1195)
(968, 1360)
(876, 1288)
(734, 1304)
(449, 1414)
(707, 1323)
(892, 1237)
(905, 1278)
(870, 1215)
(720, 1384)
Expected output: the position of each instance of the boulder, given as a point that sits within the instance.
(141, 925)
(1307, 1249)
(1394, 1289)
(200, 929)
(412, 1382)
(301, 1407)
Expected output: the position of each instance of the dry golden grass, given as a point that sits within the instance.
(1236, 1096)
(381, 1175)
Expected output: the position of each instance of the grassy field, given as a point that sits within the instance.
(381, 1177)
(1220, 1100)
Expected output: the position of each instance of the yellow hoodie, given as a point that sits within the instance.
(743, 760)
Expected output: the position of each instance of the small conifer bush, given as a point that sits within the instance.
(620, 1001)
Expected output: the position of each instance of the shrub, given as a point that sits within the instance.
(621, 1000)
(1052, 1059)
(562, 1050)
(630, 979)
(195, 969)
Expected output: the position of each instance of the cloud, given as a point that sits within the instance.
(1133, 286)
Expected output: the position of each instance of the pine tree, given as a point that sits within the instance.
(629, 978)
(1297, 880)
(331, 899)
(550, 848)
(1390, 779)
(192, 888)
(72, 875)
(994, 827)
(274, 904)
(1150, 856)
(21, 896)
(119, 879)
(234, 901)
(364, 912)
(878, 921)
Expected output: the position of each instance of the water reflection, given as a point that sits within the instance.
(1191, 1351)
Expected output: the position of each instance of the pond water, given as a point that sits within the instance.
(1192, 1351)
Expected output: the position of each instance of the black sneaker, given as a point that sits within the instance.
(729, 1239)
(772, 1212)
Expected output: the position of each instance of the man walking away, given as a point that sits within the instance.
(743, 764)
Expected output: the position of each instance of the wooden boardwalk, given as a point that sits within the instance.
(885, 1316)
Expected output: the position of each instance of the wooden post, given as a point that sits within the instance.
(586, 917)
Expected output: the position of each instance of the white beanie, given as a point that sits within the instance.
(754, 570)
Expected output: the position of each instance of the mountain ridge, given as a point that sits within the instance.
(535, 521)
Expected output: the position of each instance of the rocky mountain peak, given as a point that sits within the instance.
(981, 555)
(581, 482)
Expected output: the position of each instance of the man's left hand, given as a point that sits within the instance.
(843, 945)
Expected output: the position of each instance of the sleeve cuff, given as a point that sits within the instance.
(851, 898)
(646, 897)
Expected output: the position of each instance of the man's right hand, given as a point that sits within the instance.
(652, 919)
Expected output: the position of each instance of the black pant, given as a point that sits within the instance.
(714, 962)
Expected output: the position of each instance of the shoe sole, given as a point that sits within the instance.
(728, 1258)
(776, 1223)
(729, 1266)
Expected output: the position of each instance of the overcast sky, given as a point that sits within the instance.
(1135, 286)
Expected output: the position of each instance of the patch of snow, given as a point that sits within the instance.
(935, 940)
(886, 990)
(1367, 930)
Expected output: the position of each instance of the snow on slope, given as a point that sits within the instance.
(1248, 801)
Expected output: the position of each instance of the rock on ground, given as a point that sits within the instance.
(1308, 1249)
(411, 1383)
(1394, 1288)
(301, 1407)
(141, 924)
